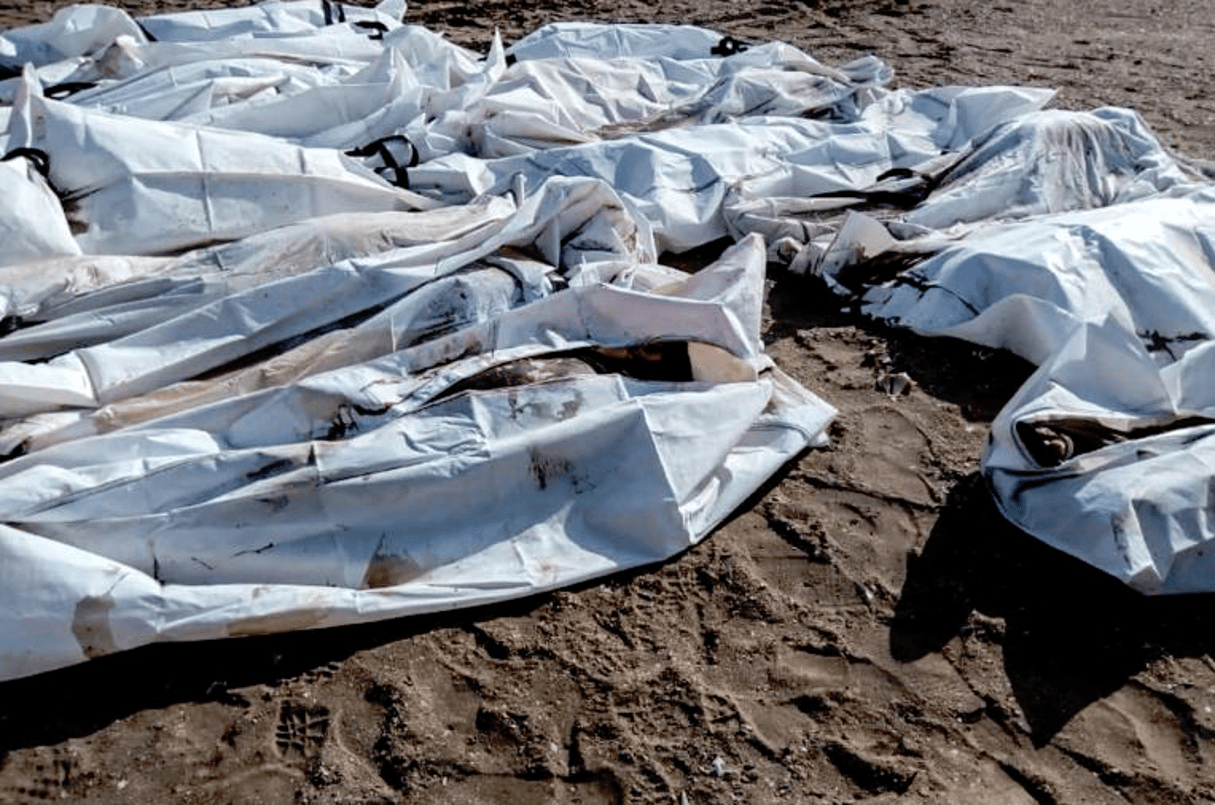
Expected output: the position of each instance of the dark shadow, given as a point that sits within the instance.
(976, 379)
(989, 377)
(1072, 634)
(801, 303)
(695, 259)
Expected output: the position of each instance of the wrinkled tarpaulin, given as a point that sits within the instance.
(315, 318)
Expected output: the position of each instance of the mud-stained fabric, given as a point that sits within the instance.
(311, 317)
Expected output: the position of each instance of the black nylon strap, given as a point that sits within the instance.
(60, 91)
(380, 148)
(728, 46)
(377, 28)
(40, 159)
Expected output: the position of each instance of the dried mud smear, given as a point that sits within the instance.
(276, 623)
(867, 630)
(91, 626)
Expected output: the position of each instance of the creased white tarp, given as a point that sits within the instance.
(314, 318)
(1104, 452)
(32, 225)
(1087, 249)
(289, 18)
(343, 496)
(284, 427)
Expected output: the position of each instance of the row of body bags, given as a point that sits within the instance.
(251, 382)
(312, 317)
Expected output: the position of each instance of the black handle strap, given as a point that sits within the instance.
(40, 159)
(728, 46)
(60, 91)
(377, 29)
(900, 173)
(905, 197)
(333, 12)
(380, 148)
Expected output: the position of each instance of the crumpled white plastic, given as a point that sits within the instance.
(1103, 453)
(343, 363)
(329, 282)
(337, 498)
(74, 31)
(32, 223)
(1115, 473)
(144, 187)
(256, 385)
(276, 19)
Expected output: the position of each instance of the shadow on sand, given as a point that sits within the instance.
(1073, 635)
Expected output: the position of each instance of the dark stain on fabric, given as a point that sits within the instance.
(1154, 341)
(523, 372)
(277, 503)
(346, 420)
(271, 469)
(276, 622)
(548, 470)
(572, 406)
(91, 625)
(342, 424)
(389, 570)
(268, 546)
(448, 349)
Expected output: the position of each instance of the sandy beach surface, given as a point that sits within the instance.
(866, 629)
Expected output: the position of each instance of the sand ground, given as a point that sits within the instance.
(867, 629)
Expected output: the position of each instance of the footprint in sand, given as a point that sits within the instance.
(301, 730)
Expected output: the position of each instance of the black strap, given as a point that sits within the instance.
(380, 148)
(728, 46)
(906, 197)
(333, 12)
(40, 159)
(900, 173)
(11, 324)
(67, 89)
(9, 71)
(377, 28)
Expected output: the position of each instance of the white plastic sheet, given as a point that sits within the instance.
(323, 319)
(1087, 249)
(284, 19)
(283, 427)
(155, 187)
(343, 496)
(1105, 452)
(32, 223)
(75, 31)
